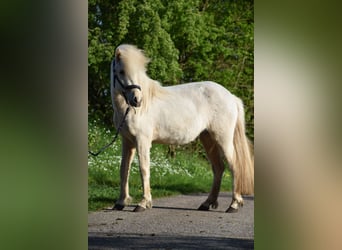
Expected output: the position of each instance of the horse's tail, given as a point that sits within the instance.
(243, 160)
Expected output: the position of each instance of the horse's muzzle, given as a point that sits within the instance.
(135, 103)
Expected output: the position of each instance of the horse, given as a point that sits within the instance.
(177, 115)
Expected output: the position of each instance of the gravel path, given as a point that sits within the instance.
(174, 223)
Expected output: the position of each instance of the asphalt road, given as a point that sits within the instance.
(174, 223)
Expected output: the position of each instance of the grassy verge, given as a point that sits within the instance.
(187, 172)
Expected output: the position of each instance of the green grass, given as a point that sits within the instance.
(187, 172)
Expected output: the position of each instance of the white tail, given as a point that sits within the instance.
(243, 162)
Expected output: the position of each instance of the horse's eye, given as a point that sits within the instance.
(122, 72)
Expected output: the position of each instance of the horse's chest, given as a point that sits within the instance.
(136, 127)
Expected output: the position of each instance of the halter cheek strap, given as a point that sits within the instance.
(124, 87)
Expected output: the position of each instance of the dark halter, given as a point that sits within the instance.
(124, 87)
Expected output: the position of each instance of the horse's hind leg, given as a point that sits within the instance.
(128, 151)
(237, 200)
(213, 154)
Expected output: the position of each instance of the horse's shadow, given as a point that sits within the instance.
(225, 196)
(176, 208)
(154, 207)
(163, 207)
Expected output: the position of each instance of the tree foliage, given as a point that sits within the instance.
(187, 40)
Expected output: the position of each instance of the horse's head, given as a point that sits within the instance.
(127, 66)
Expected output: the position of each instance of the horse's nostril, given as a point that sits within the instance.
(135, 102)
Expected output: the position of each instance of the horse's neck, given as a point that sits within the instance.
(150, 88)
(154, 88)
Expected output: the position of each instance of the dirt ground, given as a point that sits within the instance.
(174, 223)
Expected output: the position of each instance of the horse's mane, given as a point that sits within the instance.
(135, 62)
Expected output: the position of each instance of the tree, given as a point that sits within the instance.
(187, 40)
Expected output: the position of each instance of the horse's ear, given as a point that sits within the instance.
(117, 54)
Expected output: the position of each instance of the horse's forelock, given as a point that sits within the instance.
(132, 57)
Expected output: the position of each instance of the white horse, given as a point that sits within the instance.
(177, 115)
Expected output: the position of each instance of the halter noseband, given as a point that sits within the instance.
(124, 87)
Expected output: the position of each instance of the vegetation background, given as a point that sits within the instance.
(187, 40)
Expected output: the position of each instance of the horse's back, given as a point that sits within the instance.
(205, 93)
(199, 86)
(191, 108)
(214, 101)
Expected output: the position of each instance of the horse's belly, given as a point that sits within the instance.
(176, 140)
(178, 135)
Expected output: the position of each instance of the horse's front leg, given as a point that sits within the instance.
(128, 151)
(143, 147)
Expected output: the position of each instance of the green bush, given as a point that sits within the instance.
(187, 40)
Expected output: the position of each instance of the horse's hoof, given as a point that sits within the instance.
(118, 207)
(139, 209)
(232, 210)
(203, 208)
(214, 205)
